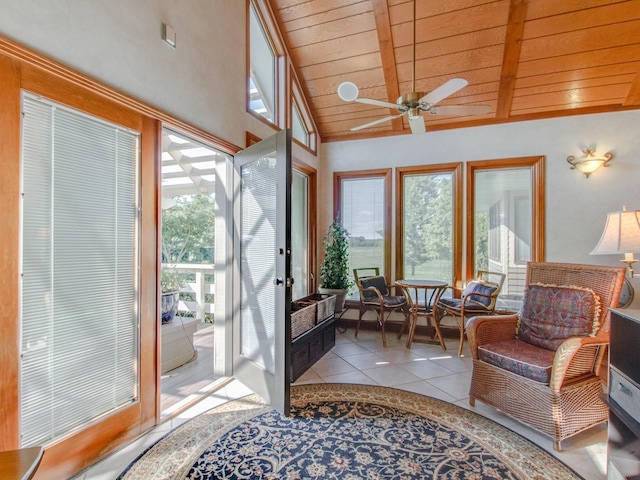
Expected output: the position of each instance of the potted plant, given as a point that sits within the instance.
(171, 284)
(334, 271)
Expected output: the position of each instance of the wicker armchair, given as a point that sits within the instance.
(541, 366)
(375, 295)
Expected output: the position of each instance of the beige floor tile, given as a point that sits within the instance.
(365, 361)
(425, 369)
(390, 375)
(332, 366)
(352, 377)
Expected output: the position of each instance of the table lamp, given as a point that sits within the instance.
(621, 235)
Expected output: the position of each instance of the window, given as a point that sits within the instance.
(262, 71)
(429, 223)
(505, 198)
(298, 128)
(302, 125)
(363, 207)
(79, 315)
(494, 248)
(300, 260)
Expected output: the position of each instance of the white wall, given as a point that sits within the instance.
(576, 208)
(119, 42)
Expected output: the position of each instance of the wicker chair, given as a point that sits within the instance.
(478, 298)
(375, 295)
(542, 365)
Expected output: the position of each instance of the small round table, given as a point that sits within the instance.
(431, 290)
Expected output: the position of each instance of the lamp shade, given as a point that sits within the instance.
(589, 165)
(621, 234)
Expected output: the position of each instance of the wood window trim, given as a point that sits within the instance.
(455, 169)
(538, 187)
(312, 176)
(271, 31)
(385, 174)
(300, 101)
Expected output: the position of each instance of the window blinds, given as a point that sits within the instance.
(79, 320)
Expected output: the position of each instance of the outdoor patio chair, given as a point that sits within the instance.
(376, 295)
(477, 298)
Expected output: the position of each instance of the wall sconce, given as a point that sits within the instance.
(621, 235)
(590, 162)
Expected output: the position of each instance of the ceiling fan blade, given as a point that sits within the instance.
(348, 91)
(379, 103)
(460, 110)
(443, 91)
(375, 122)
(417, 124)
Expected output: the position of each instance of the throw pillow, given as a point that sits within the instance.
(551, 313)
(479, 287)
(379, 283)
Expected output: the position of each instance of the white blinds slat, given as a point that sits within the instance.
(79, 306)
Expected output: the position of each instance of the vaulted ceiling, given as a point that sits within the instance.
(525, 59)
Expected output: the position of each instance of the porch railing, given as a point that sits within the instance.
(196, 298)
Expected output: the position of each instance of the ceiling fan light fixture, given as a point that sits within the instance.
(348, 91)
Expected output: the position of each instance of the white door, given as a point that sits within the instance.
(262, 264)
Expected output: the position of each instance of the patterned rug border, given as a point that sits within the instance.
(172, 456)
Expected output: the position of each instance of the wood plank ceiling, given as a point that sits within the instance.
(524, 59)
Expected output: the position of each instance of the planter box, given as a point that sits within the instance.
(310, 311)
(303, 317)
(326, 306)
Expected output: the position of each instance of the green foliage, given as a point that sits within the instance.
(334, 270)
(171, 281)
(428, 220)
(187, 230)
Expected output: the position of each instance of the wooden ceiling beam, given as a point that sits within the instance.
(511, 58)
(385, 40)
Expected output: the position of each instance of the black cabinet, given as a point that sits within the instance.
(309, 347)
(623, 446)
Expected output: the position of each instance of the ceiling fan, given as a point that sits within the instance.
(414, 103)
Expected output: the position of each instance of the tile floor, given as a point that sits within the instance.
(425, 369)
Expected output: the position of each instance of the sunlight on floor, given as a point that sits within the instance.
(598, 454)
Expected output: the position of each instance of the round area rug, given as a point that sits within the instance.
(349, 432)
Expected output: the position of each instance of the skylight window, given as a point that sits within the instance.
(197, 152)
(262, 76)
(177, 139)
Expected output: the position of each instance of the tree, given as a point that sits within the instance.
(427, 219)
(187, 230)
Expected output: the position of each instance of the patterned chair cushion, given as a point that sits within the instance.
(379, 283)
(456, 304)
(520, 358)
(550, 314)
(393, 301)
